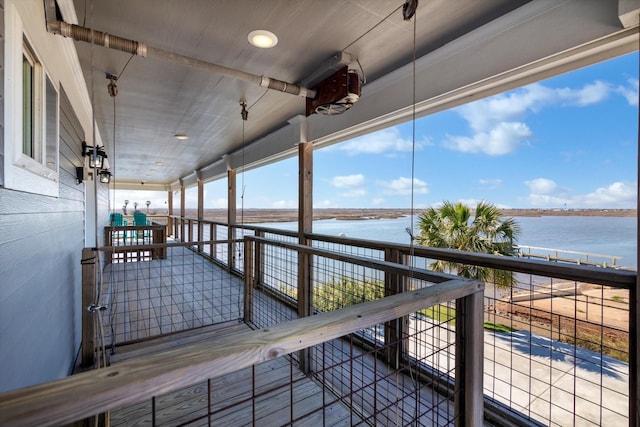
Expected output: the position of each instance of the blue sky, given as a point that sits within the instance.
(569, 141)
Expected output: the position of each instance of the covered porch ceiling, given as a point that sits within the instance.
(464, 50)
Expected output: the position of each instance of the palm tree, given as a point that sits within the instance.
(455, 226)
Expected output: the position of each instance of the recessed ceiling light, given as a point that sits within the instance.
(181, 136)
(159, 163)
(262, 38)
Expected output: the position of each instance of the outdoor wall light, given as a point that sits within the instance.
(105, 176)
(79, 174)
(96, 161)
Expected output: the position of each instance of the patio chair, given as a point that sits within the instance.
(140, 218)
(116, 220)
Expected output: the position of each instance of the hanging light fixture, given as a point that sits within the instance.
(96, 155)
(105, 176)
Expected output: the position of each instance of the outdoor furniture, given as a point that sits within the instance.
(140, 218)
(116, 220)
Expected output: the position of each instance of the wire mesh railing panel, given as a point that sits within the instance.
(279, 269)
(359, 374)
(349, 249)
(558, 350)
(270, 393)
(183, 290)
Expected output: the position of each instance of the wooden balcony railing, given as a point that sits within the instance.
(89, 393)
(582, 318)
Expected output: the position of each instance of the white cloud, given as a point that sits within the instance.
(402, 186)
(324, 204)
(356, 192)
(630, 92)
(546, 193)
(502, 139)
(541, 186)
(384, 141)
(618, 194)
(546, 200)
(590, 94)
(497, 122)
(348, 181)
(284, 204)
(487, 113)
(490, 183)
(378, 201)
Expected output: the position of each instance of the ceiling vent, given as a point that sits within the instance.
(335, 94)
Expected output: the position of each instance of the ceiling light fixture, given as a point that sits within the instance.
(181, 136)
(262, 38)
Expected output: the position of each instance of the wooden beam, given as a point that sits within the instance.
(231, 215)
(170, 212)
(305, 225)
(89, 258)
(72, 398)
(182, 212)
(200, 212)
(469, 398)
(249, 279)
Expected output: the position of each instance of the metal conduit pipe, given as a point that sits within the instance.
(133, 47)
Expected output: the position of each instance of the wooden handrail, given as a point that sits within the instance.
(624, 279)
(79, 396)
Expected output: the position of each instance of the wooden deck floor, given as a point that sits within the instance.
(233, 401)
(188, 293)
(156, 297)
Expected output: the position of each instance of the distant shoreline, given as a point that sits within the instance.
(288, 215)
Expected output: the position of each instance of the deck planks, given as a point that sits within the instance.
(277, 384)
(185, 291)
(155, 297)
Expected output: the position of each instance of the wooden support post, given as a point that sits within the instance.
(634, 368)
(182, 210)
(200, 212)
(249, 279)
(469, 404)
(212, 237)
(89, 259)
(170, 212)
(231, 215)
(305, 225)
(108, 241)
(394, 329)
(259, 264)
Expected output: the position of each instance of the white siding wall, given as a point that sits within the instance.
(41, 237)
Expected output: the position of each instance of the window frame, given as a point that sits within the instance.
(38, 171)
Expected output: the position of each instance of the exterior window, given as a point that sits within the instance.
(27, 104)
(30, 153)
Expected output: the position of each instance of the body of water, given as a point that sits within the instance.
(611, 236)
